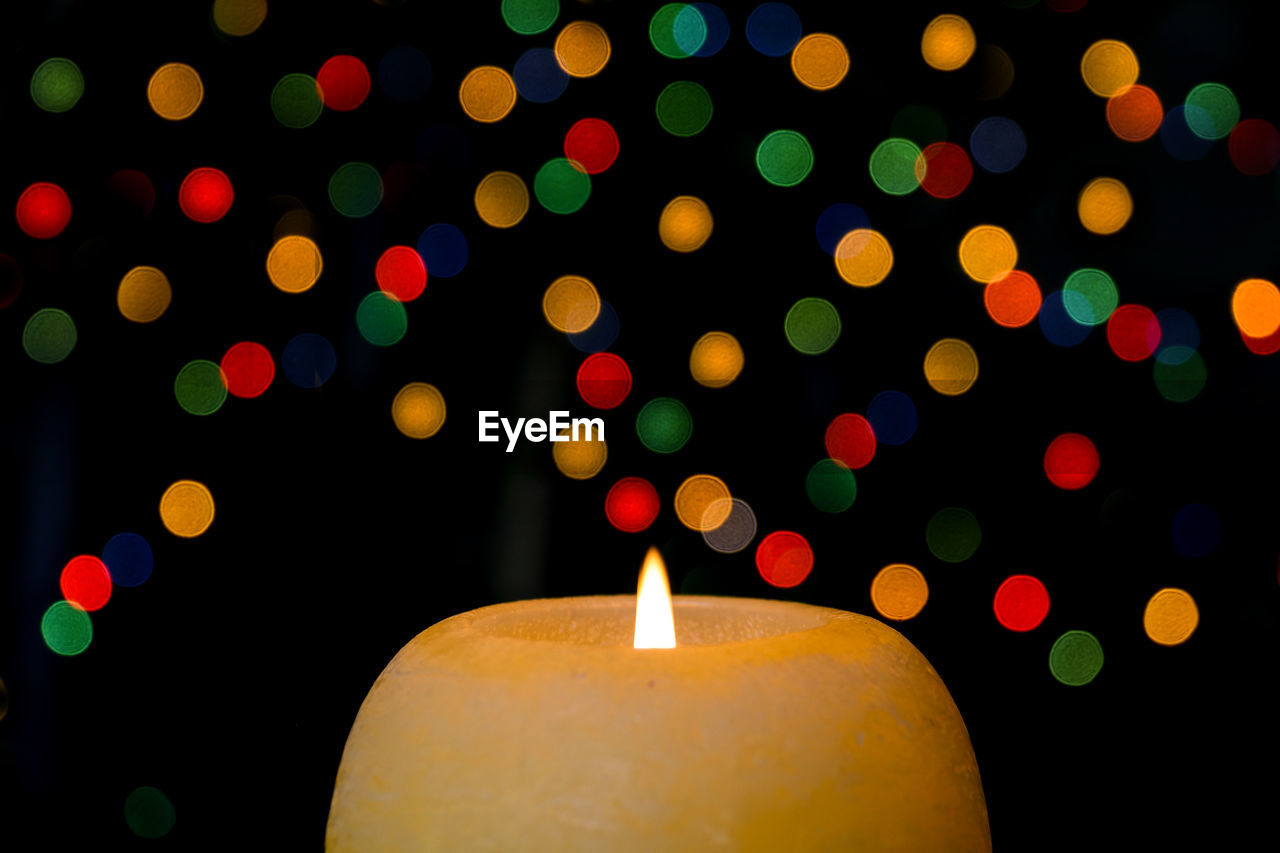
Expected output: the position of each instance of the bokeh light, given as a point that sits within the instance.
(601, 334)
(401, 274)
(1134, 113)
(736, 531)
(418, 410)
(149, 813)
(1171, 617)
(1254, 146)
(831, 486)
(714, 22)
(895, 166)
(43, 210)
(129, 559)
(355, 189)
(1076, 658)
(199, 387)
(820, 61)
(899, 592)
(381, 319)
(998, 144)
(530, 17)
(632, 504)
(919, 123)
(837, 220)
(676, 31)
(812, 325)
(580, 458)
(1197, 530)
(1013, 299)
(186, 508)
(664, 425)
(571, 304)
(582, 48)
(863, 257)
(561, 187)
(501, 199)
(294, 263)
(1021, 603)
(247, 369)
(1177, 137)
(443, 249)
(995, 72)
(1071, 461)
(1181, 377)
(716, 359)
(404, 73)
(1177, 329)
(1133, 332)
(943, 170)
(592, 145)
(239, 17)
(951, 367)
(1108, 66)
(784, 158)
(343, 82)
(538, 76)
(309, 360)
(685, 224)
(206, 195)
(66, 628)
(604, 380)
(487, 94)
(1056, 323)
(1255, 306)
(1104, 206)
(1212, 111)
(144, 294)
(948, 43)
(702, 502)
(175, 91)
(1262, 346)
(773, 29)
(85, 582)
(784, 558)
(893, 417)
(57, 85)
(987, 252)
(49, 336)
(296, 101)
(850, 439)
(684, 108)
(1090, 296)
(953, 535)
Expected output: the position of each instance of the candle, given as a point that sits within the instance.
(771, 725)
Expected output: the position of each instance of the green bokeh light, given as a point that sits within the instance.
(355, 189)
(684, 108)
(831, 486)
(66, 628)
(1180, 374)
(663, 26)
(381, 320)
(295, 101)
(57, 85)
(149, 812)
(1218, 112)
(689, 30)
(530, 17)
(784, 158)
(812, 325)
(200, 388)
(953, 535)
(49, 336)
(893, 166)
(561, 187)
(664, 425)
(920, 124)
(1076, 658)
(1090, 296)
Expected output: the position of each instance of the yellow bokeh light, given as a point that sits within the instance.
(1109, 66)
(696, 502)
(951, 367)
(502, 199)
(899, 592)
(487, 94)
(1104, 206)
(987, 252)
(582, 49)
(863, 257)
(820, 61)
(571, 304)
(1255, 305)
(294, 263)
(685, 224)
(175, 91)
(297, 221)
(1171, 617)
(186, 508)
(580, 459)
(716, 359)
(144, 294)
(948, 43)
(239, 17)
(418, 410)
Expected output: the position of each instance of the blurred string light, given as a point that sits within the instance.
(892, 417)
(685, 224)
(951, 367)
(953, 535)
(294, 263)
(1135, 113)
(582, 48)
(998, 144)
(1262, 346)
(530, 17)
(501, 199)
(1021, 603)
(1133, 332)
(948, 43)
(444, 250)
(831, 486)
(1012, 300)
(355, 189)
(206, 195)
(418, 410)
(187, 508)
(899, 592)
(309, 360)
(1255, 307)
(404, 73)
(591, 145)
(995, 72)
(43, 210)
(175, 91)
(343, 82)
(863, 257)
(1075, 658)
(129, 559)
(702, 502)
(921, 124)
(1108, 66)
(773, 29)
(1254, 147)
(715, 22)
(677, 31)
(57, 85)
(561, 187)
(784, 158)
(716, 360)
(571, 304)
(820, 61)
(632, 504)
(381, 319)
(538, 76)
(784, 558)
(664, 425)
(893, 166)
(400, 273)
(684, 108)
(10, 281)
(1170, 617)
(1196, 531)
(199, 387)
(1212, 111)
(487, 94)
(296, 101)
(603, 380)
(987, 252)
(837, 220)
(943, 170)
(601, 334)
(66, 628)
(247, 369)
(149, 813)
(1177, 137)
(1071, 461)
(1057, 324)
(144, 294)
(239, 17)
(812, 325)
(49, 336)
(581, 458)
(736, 531)
(850, 440)
(85, 582)
(1104, 206)
(1090, 296)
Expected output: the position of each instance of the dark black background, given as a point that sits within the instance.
(229, 680)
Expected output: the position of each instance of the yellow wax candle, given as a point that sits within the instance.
(536, 725)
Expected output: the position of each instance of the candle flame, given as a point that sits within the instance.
(655, 624)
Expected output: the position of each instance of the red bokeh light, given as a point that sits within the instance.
(1012, 300)
(1135, 113)
(206, 195)
(10, 281)
(850, 439)
(1254, 146)
(784, 558)
(343, 82)
(948, 170)
(604, 380)
(401, 273)
(1021, 603)
(632, 504)
(86, 582)
(592, 143)
(1262, 346)
(1071, 462)
(247, 369)
(1133, 332)
(43, 210)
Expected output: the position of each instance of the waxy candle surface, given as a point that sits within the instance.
(771, 726)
